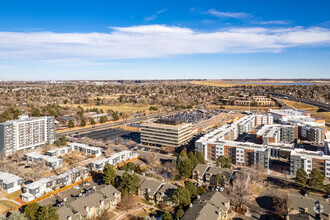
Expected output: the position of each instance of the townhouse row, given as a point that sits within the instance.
(43, 186)
(92, 205)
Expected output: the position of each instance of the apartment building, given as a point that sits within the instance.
(242, 154)
(312, 133)
(51, 162)
(10, 182)
(43, 186)
(26, 133)
(284, 115)
(301, 158)
(113, 160)
(168, 133)
(85, 149)
(268, 134)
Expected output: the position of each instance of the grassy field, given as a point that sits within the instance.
(213, 83)
(300, 106)
(14, 195)
(234, 107)
(127, 107)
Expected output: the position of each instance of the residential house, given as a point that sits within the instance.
(149, 188)
(50, 162)
(164, 194)
(199, 172)
(211, 173)
(86, 150)
(211, 205)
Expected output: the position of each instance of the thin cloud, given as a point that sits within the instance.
(272, 22)
(221, 14)
(154, 16)
(154, 41)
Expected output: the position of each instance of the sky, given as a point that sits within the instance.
(167, 39)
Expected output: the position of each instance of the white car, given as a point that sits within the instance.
(76, 187)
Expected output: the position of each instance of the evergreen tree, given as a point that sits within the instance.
(186, 168)
(191, 188)
(83, 123)
(179, 213)
(70, 124)
(63, 140)
(193, 158)
(301, 177)
(200, 157)
(93, 121)
(47, 212)
(31, 211)
(225, 162)
(167, 216)
(109, 174)
(36, 112)
(181, 196)
(200, 190)
(103, 119)
(129, 183)
(315, 180)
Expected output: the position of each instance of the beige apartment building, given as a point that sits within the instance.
(166, 133)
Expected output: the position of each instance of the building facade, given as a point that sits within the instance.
(26, 133)
(166, 134)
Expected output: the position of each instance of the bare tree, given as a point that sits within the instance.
(241, 187)
(128, 202)
(281, 205)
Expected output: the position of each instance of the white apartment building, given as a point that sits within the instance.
(49, 161)
(10, 183)
(114, 159)
(26, 133)
(85, 149)
(288, 114)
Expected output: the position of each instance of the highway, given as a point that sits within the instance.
(322, 106)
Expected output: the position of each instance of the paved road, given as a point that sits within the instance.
(115, 124)
(320, 105)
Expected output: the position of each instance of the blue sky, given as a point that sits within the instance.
(46, 40)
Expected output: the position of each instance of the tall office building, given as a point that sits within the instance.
(26, 133)
(166, 133)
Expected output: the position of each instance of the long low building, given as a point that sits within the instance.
(167, 133)
(242, 154)
(113, 160)
(43, 186)
(85, 149)
(50, 161)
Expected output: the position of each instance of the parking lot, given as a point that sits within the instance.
(111, 134)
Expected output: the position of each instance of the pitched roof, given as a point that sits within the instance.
(152, 184)
(93, 200)
(110, 191)
(200, 168)
(209, 206)
(64, 212)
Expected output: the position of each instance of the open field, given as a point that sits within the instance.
(300, 106)
(128, 107)
(214, 83)
(234, 107)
